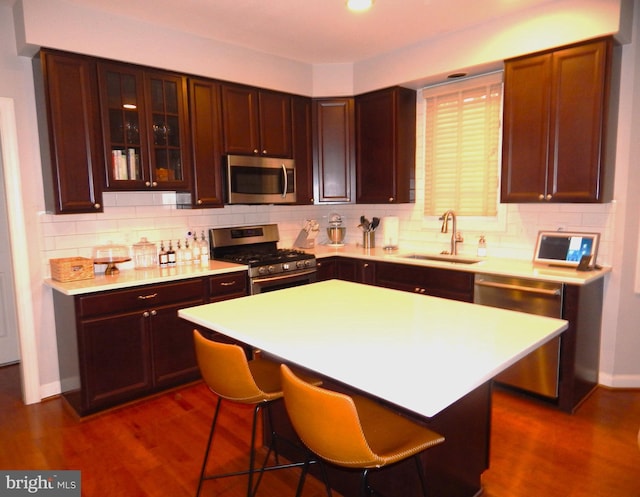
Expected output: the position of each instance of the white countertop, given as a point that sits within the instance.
(127, 278)
(421, 353)
(505, 267)
(487, 265)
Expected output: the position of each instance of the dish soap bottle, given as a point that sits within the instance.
(482, 247)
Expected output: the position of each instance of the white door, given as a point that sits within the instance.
(9, 351)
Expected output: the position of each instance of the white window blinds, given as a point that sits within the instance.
(462, 146)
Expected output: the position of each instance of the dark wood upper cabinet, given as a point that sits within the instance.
(256, 122)
(386, 146)
(302, 148)
(145, 128)
(558, 125)
(168, 119)
(334, 150)
(71, 144)
(206, 146)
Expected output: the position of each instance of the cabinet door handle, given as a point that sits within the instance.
(227, 283)
(154, 312)
(145, 314)
(96, 206)
(145, 297)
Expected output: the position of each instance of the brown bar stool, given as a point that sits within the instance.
(228, 374)
(352, 431)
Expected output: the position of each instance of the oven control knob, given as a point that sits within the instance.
(299, 264)
(271, 269)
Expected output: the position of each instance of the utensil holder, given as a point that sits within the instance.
(369, 239)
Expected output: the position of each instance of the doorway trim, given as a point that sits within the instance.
(19, 255)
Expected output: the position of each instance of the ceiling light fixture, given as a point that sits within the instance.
(359, 5)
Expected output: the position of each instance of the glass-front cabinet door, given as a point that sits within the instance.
(124, 127)
(143, 115)
(168, 144)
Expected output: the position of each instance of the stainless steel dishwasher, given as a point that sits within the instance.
(538, 372)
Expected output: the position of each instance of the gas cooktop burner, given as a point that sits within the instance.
(256, 247)
(256, 259)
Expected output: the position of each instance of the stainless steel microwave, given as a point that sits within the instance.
(260, 180)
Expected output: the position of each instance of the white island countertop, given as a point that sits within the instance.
(420, 353)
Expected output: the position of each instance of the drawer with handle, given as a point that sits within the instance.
(226, 286)
(141, 297)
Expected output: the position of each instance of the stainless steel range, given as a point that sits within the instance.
(270, 268)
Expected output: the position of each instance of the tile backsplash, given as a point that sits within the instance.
(128, 216)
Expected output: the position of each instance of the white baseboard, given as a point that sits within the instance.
(620, 380)
(50, 389)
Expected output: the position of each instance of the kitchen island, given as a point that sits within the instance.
(430, 358)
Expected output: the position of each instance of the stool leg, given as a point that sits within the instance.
(252, 453)
(305, 469)
(364, 484)
(209, 441)
(421, 475)
(303, 475)
(325, 477)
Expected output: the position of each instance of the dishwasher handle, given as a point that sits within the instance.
(529, 289)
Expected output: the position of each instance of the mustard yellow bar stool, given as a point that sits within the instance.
(231, 376)
(352, 431)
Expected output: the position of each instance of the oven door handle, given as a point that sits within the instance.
(286, 181)
(527, 289)
(281, 276)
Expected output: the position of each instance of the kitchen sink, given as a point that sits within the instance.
(457, 259)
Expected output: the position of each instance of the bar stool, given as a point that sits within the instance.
(228, 374)
(352, 431)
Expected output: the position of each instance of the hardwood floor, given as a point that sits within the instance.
(154, 448)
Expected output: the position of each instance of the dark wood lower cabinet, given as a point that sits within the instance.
(326, 268)
(174, 359)
(446, 283)
(357, 270)
(120, 345)
(115, 365)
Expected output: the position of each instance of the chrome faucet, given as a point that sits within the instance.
(455, 236)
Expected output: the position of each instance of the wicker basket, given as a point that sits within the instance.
(71, 268)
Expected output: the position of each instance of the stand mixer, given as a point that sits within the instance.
(336, 232)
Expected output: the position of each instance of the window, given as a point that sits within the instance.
(462, 146)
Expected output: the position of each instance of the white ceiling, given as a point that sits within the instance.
(314, 31)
